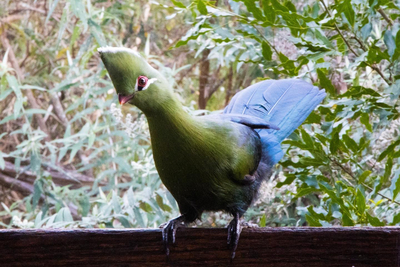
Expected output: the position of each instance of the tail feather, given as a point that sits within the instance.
(285, 103)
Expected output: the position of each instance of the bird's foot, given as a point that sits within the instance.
(169, 232)
(244, 224)
(249, 179)
(234, 230)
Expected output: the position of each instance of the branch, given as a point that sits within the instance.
(353, 176)
(18, 71)
(60, 177)
(267, 247)
(388, 20)
(372, 66)
(15, 184)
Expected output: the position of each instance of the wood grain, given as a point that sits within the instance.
(370, 246)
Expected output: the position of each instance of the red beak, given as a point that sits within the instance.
(124, 98)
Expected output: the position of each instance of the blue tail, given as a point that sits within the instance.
(285, 103)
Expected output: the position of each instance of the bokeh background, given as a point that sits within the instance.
(70, 156)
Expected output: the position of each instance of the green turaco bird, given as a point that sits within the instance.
(215, 162)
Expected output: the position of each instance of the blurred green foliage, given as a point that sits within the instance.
(92, 164)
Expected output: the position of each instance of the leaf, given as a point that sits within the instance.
(347, 221)
(365, 120)
(350, 143)
(178, 4)
(51, 10)
(349, 12)
(37, 192)
(279, 6)
(266, 51)
(360, 200)
(363, 176)
(325, 83)
(312, 222)
(252, 8)
(289, 179)
(263, 221)
(395, 185)
(85, 205)
(138, 217)
(2, 162)
(269, 12)
(366, 31)
(396, 219)
(374, 221)
(161, 204)
(389, 150)
(389, 42)
(335, 143)
(202, 7)
(79, 9)
(396, 53)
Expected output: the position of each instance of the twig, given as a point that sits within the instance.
(373, 66)
(18, 71)
(389, 20)
(352, 175)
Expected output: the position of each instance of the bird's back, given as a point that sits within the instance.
(285, 103)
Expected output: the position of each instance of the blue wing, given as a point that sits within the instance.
(251, 121)
(284, 103)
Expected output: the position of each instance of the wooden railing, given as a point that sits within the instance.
(277, 247)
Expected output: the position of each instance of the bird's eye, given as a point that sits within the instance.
(141, 82)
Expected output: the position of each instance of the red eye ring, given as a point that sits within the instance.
(142, 80)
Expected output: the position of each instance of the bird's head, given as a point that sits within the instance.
(135, 81)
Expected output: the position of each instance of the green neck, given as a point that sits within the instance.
(170, 121)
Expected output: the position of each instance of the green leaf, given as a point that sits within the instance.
(360, 200)
(363, 176)
(374, 221)
(37, 192)
(396, 53)
(202, 7)
(307, 139)
(389, 42)
(350, 143)
(395, 185)
(389, 150)
(325, 83)
(269, 12)
(251, 7)
(312, 222)
(138, 217)
(266, 51)
(349, 12)
(335, 143)
(178, 4)
(396, 219)
(366, 31)
(279, 6)
(289, 179)
(263, 221)
(305, 191)
(161, 204)
(85, 205)
(365, 120)
(347, 221)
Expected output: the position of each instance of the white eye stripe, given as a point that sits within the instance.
(149, 81)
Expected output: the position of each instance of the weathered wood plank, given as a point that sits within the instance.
(276, 247)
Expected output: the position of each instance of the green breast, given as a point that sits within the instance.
(198, 160)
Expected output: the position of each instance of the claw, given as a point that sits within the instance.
(234, 230)
(169, 232)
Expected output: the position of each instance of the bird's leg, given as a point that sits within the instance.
(169, 232)
(234, 230)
